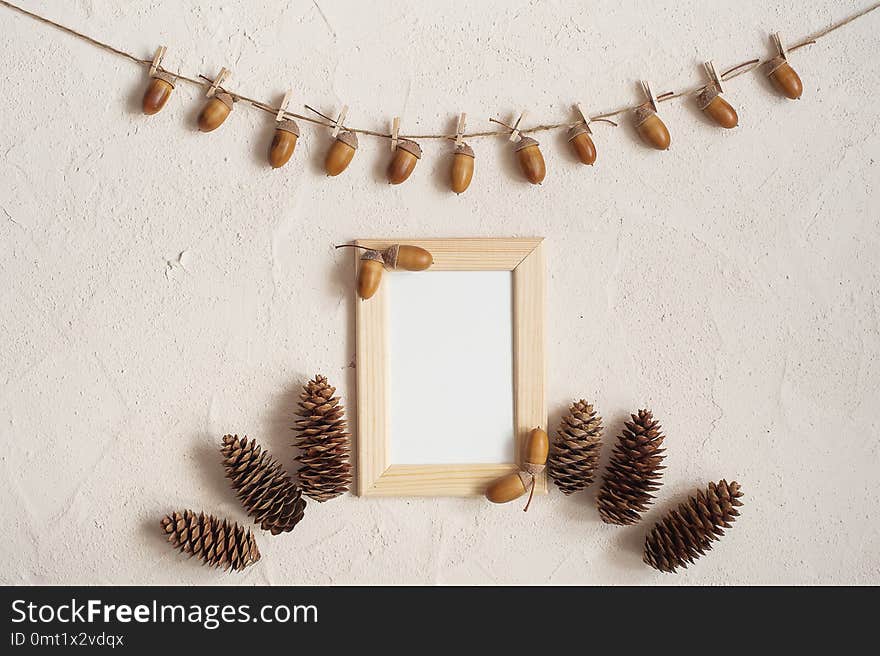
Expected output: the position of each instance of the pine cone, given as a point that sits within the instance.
(576, 448)
(687, 532)
(323, 442)
(263, 487)
(217, 543)
(634, 471)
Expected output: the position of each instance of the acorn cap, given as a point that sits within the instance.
(643, 112)
(411, 147)
(578, 130)
(775, 63)
(707, 95)
(464, 149)
(225, 98)
(348, 138)
(525, 142)
(165, 77)
(288, 126)
(373, 255)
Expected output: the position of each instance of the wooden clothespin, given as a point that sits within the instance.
(157, 60)
(395, 132)
(459, 132)
(585, 115)
(284, 103)
(224, 73)
(337, 125)
(646, 86)
(713, 75)
(780, 47)
(514, 133)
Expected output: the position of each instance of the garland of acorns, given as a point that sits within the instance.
(407, 152)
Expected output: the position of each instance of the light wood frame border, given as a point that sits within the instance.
(376, 476)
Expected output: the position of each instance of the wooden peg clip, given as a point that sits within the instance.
(284, 103)
(224, 73)
(340, 119)
(780, 47)
(157, 60)
(713, 75)
(459, 132)
(650, 94)
(514, 134)
(585, 115)
(395, 132)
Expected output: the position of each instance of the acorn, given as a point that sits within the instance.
(582, 143)
(717, 108)
(370, 274)
(531, 161)
(651, 129)
(158, 92)
(407, 257)
(510, 487)
(341, 153)
(283, 143)
(215, 111)
(406, 156)
(537, 449)
(784, 78)
(462, 168)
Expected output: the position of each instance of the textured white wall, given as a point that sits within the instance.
(161, 287)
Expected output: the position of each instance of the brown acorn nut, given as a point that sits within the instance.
(651, 129)
(158, 92)
(510, 487)
(283, 143)
(409, 258)
(717, 108)
(531, 161)
(215, 111)
(370, 274)
(536, 451)
(462, 168)
(341, 153)
(582, 143)
(784, 78)
(406, 156)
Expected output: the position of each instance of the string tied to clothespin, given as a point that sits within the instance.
(216, 83)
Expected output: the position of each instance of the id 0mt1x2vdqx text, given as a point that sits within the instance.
(81, 639)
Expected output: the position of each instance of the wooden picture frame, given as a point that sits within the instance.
(376, 476)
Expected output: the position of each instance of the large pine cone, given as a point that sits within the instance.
(687, 532)
(217, 543)
(634, 471)
(576, 449)
(263, 487)
(323, 442)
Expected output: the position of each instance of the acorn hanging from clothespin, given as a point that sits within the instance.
(219, 104)
(783, 76)
(528, 152)
(407, 153)
(650, 127)
(345, 144)
(462, 159)
(286, 135)
(579, 136)
(160, 87)
(712, 104)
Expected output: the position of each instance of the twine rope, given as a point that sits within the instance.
(203, 81)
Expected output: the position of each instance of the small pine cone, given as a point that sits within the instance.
(217, 543)
(264, 488)
(634, 471)
(323, 442)
(687, 532)
(576, 449)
